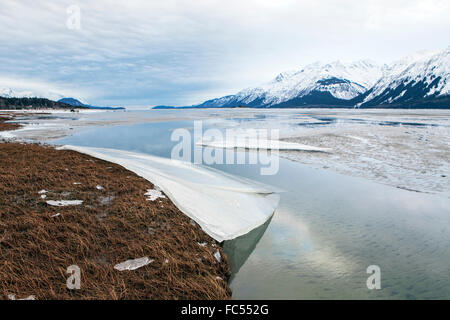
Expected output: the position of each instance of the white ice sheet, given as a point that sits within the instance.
(260, 144)
(224, 206)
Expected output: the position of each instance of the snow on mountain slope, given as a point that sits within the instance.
(12, 87)
(8, 92)
(418, 80)
(419, 76)
(343, 81)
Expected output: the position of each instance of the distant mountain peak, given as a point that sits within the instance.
(73, 102)
(359, 83)
(416, 77)
(15, 92)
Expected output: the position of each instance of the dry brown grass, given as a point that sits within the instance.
(111, 226)
(5, 126)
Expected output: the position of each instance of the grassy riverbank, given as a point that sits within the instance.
(115, 222)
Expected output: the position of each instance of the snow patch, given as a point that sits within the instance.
(154, 194)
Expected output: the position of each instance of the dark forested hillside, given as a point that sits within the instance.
(31, 103)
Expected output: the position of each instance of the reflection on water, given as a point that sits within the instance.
(238, 250)
(329, 228)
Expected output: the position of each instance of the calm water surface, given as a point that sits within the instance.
(326, 231)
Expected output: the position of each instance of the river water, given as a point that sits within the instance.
(328, 229)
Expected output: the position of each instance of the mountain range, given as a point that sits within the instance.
(14, 102)
(21, 98)
(19, 92)
(420, 80)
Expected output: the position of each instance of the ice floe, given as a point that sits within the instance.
(64, 203)
(263, 144)
(133, 264)
(224, 206)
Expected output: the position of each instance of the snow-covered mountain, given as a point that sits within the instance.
(11, 93)
(8, 92)
(418, 78)
(334, 82)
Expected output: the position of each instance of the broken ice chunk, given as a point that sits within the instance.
(64, 203)
(154, 194)
(218, 256)
(42, 191)
(133, 264)
(106, 200)
(99, 187)
(13, 297)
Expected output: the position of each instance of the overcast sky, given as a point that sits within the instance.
(151, 52)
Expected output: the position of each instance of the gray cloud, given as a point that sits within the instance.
(182, 52)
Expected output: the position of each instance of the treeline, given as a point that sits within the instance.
(31, 103)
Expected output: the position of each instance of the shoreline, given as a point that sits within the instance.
(7, 126)
(114, 223)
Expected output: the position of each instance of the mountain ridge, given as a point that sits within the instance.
(419, 80)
